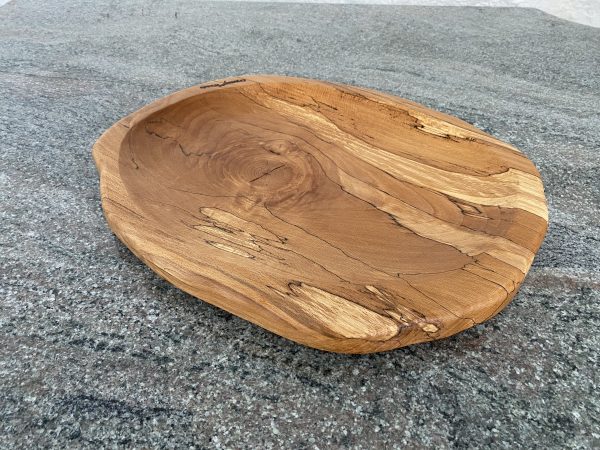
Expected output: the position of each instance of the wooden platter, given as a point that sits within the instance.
(339, 217)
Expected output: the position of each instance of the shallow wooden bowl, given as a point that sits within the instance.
(339, 217)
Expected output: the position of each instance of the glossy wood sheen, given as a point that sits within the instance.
(339, 217)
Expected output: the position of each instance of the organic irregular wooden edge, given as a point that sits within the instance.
(502, 223)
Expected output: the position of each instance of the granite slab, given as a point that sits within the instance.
(97, 351)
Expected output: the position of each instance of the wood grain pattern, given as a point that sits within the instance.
(338, 217)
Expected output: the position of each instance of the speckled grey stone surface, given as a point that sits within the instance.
(96, 350)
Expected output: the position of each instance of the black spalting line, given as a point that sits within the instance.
(268, 172)
(224, 83)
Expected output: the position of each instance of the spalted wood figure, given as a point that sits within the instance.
(339, 217)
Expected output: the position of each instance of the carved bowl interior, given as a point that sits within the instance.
(338, 217)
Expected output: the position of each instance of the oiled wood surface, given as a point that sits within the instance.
(338, 217)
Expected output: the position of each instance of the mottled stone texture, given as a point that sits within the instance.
(96, 349)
